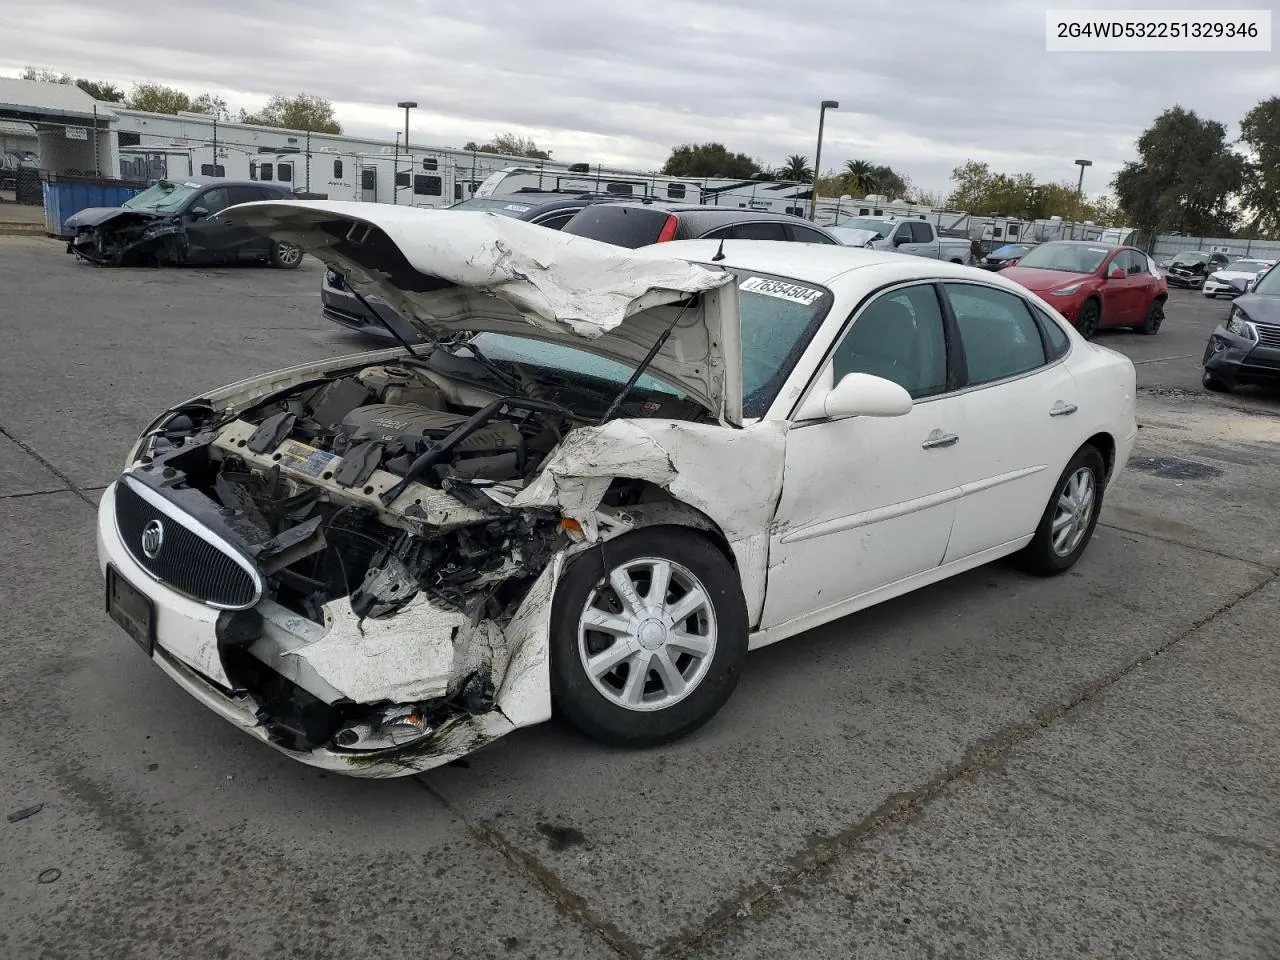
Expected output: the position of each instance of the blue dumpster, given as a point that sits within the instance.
(64, 196)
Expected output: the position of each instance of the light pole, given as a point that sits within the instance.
(1080, 186)
(817, 156)
(395, 172)
(406, 106)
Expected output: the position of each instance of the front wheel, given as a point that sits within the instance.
(1089, 319)
(1067, 524)
(1155, 317)
(648, 634)
(285, 256)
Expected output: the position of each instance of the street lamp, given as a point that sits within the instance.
(817, 156)
(395, 172)
(1080, 186)
(406, 106)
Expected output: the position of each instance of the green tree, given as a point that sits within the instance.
(214, 106)
(709, 160)
(1260, 132)
(303, 112)
(157, 98)
(796, 169)
(510, 145)
(101, 90)
(860, 178)
(1184, 179)
(889, 182)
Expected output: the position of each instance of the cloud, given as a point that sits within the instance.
(923, 85)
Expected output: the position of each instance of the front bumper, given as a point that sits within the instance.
(1236, 360)
(1187, 280)
(187, 650)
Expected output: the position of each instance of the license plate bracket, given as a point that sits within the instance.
(132, 610)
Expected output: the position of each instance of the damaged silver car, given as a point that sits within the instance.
(602, 477)
(176, 222)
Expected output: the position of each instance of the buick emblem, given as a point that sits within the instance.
(152, 539)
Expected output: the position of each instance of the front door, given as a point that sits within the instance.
(210, 238)
(1020, 417)
(868, 501)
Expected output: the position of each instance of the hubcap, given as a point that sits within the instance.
(1073, 512)
(289, 253)
(647, 634)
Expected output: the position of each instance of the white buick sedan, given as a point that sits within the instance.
(605, 477)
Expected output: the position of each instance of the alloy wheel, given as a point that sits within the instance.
(1074, 511)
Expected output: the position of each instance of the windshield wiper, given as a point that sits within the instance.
(506, 379)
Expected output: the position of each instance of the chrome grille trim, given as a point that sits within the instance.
(1268, 334)
(189, 567)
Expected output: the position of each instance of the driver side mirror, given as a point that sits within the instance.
(899, 240)
(857, 395)
(1241, 284)
(198, 213)
(1116, 273)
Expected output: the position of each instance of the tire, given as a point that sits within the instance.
(595, 705)
(285, 256)
(1089, 319)
(1213, 383)
(1155, 317)
(1041, 556)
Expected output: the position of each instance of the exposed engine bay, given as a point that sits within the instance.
(133, 237)
(373, 493)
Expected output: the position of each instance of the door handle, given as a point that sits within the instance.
(939, 439)
(1061, 409)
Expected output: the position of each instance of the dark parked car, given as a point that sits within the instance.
(1006, 256)
(1189, 269)
(1246, 349)
(600, 217)
(636, 224)
(176, 221)
(545, 208)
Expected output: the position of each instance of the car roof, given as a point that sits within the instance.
(712, 211)
(817, 263)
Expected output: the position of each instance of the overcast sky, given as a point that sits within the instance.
(923, 84)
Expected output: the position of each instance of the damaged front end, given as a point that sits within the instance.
(372, 592)
(129, 238)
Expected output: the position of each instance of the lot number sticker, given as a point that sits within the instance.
(781, 289)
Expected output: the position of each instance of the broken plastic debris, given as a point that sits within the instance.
(25, 812)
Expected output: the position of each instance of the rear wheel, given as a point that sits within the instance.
(285, 256)
(1067, 525)
(1089, 319)
(1155, 317)
(648, 634)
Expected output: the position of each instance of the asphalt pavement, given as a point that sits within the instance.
(997, 766)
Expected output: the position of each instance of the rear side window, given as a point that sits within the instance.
(921, 232)
(997, 333)
(807, 235)
(767, 230)
(555, 222)
(623, 226)
(1056, 337)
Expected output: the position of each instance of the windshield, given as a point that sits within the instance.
(1011, 250)
(1269, 284)
(881, 227)
(1068, 257)
(1190, 258)
(503, 205)
(779, 317)
(163, 197)
(1246, 266)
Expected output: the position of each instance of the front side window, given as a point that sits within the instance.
(900, 337)
(213, 200)
(903, 232)
(998, 335)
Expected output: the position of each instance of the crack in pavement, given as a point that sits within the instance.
(72, 486)
(1189, 546)
(569, 903)
(763, 897)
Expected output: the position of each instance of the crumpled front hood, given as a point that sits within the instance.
(96, 216)
(454, 271)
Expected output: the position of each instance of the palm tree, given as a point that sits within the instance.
(860, 177)
(796, 169)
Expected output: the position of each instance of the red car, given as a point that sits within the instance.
(1095, 285)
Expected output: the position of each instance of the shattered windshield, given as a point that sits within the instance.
(167, 196)
(779, 316)
(882, 227)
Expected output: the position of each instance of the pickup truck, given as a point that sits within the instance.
(903, 235)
